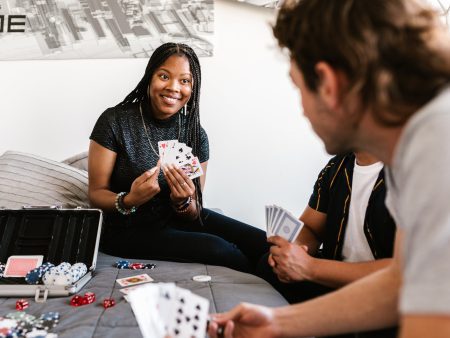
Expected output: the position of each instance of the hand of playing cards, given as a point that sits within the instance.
(179, 154)
(164, 309)
(280, 222)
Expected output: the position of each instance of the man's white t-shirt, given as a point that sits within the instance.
(356, 248)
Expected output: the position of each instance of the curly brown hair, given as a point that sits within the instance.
(395, 53)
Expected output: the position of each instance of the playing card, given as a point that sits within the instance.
(190, 315)
(20, 265)
(144, 302)
(277, 211)
(289, 227)
(139, 279)
(163, 149)
(193, 169)
(182, 154)
(267, 221)
(127, 290)
(166, 301)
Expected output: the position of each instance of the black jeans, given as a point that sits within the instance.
(221, 240)
(303, 291)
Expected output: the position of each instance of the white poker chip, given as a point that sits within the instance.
(201, 278)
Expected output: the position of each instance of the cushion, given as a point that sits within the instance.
(79, 161)
(27, 179)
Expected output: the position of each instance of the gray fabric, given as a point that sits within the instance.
(227, 289)
(79, 161)
(27, 179)
(418, 198)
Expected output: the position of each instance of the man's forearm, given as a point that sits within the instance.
(367, 304)
(336, 274)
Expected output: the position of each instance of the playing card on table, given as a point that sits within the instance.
(139, 279)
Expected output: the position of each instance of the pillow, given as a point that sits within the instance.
(27, 179)
(79, 161)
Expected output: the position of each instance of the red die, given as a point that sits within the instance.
(77, 300)
(108, 302)
(137, 266)
(89, 297)
(21, 304)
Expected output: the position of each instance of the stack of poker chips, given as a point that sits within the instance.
(21, 324)
(124, 264)
(2, 269)
(35, 276)
(64, 274)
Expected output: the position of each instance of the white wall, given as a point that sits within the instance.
(262, 150)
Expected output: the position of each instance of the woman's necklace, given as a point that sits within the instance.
(146, 132)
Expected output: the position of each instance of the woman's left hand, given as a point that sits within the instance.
(181, 186)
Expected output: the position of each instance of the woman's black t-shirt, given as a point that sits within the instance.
(120, 129)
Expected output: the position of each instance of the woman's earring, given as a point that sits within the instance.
(185, 109)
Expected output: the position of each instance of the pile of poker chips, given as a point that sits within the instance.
(64, 274)
(35, 276)
(124, 264)
(20, 324)
(2, 269)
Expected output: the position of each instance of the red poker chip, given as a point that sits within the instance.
(137, 266)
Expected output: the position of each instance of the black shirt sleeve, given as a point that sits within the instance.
(204, 146)
(320, 197)
(105, 130)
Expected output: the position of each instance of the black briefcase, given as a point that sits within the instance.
(60, 235)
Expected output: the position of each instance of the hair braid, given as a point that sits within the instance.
(139, 94)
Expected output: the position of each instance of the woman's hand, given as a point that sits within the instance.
(181, 186)
(144, 188)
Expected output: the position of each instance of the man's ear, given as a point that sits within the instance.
(329, 87)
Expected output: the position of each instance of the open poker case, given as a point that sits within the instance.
(60, 235)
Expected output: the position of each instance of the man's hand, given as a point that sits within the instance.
(243, 321)
(290, 262)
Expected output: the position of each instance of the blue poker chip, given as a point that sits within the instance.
(122, 264)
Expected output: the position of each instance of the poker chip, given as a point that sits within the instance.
(37, 334)
(122, 264)
(47, 321)
(64, 274)
(34, 276)
(2, 269)
(21, 324)
(201, 278)
(150, 266)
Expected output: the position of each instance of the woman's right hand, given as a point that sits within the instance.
(144, 188)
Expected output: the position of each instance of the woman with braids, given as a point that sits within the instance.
(155, 212)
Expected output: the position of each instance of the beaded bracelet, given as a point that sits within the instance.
(183, 207)
(119, 204)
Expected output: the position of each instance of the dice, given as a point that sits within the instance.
(21, 304)
(108, 302)
(89, 297)
(77, 300)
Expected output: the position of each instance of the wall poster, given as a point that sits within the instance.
(92, 29)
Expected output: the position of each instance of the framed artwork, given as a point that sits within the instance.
(72, 29)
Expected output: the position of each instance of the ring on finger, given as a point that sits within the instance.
(184, 183)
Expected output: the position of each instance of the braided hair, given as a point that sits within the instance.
(139, 94)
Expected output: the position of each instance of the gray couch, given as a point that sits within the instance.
(36, 181)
